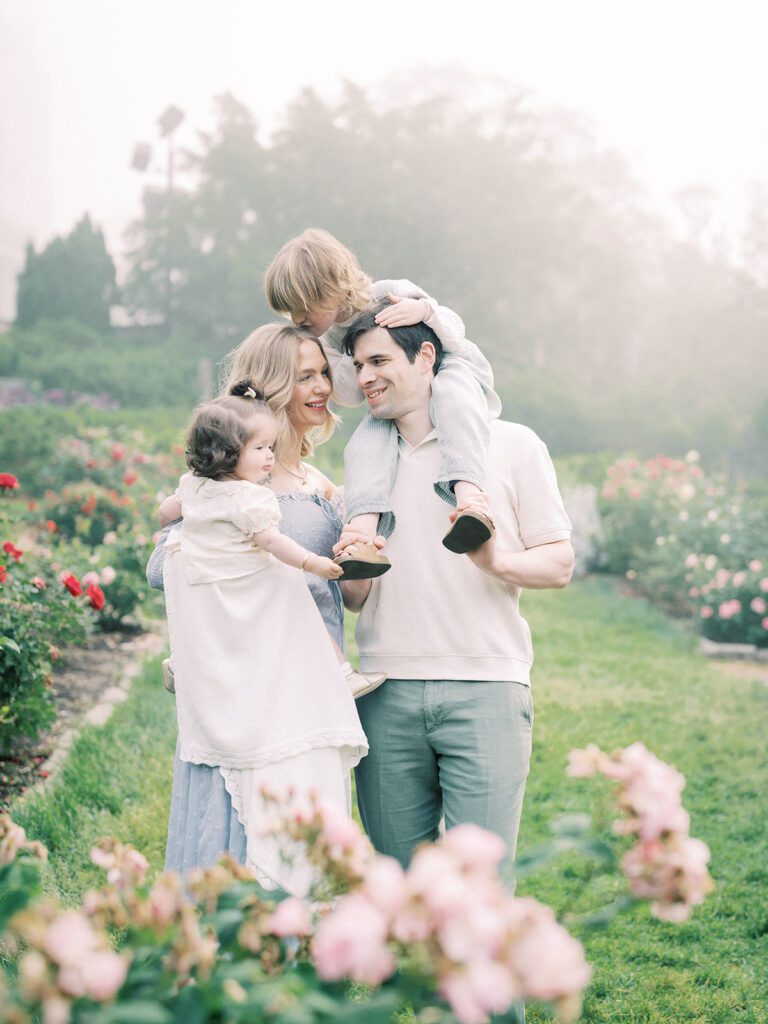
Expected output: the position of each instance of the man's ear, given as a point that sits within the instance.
(427, 355)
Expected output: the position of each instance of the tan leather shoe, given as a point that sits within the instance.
(470, 530)
(361, 683)
(169, 681)
(361, 561)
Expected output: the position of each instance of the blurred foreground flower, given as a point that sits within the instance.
(666, 866)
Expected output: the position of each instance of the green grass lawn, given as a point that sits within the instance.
(609, 670)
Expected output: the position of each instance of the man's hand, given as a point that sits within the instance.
(403, 312)
(484, 557)
(349, 535)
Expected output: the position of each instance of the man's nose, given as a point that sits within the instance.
(365, 375)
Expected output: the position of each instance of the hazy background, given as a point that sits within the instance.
(583, 180)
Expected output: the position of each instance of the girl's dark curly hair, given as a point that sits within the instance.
(220, 428)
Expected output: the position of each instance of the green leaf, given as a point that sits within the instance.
(137, 1011)
(6, 641)
(572, 825)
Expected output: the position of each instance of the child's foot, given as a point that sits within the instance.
(169, 681)
(362, 561)
(469, 531)
(361, 683)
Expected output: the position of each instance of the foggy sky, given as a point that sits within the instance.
(679, 86)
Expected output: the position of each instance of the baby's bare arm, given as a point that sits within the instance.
(287, 550)
(169, 510)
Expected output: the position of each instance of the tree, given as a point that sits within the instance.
(72, 278)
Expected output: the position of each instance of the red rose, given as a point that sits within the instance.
(72, 583)
(117, 452)
(10, 549)
(8, 481)
(50, 526)
(130, 478)
(3, 574)
(95, 595)
(89, 506)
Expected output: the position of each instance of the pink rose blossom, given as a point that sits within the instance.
(728, 609)
(479, 930)
(70, 938)
(99, 976)
(706, 612)
(91, 578)
(290, 917)
(475, 847)
(693, 592)
(33, 974)
(585, 763)
(384, 885)
(108, 575)
(102, 858)
(56, 1010)
(763, 584)
(691, 561)
(758, 605)
(166, 899)
(722, 576)
(352, 942)
(338, 829)
(478, 989)
(764, 623)
(755, 565)
(549, 962)
(739, 579)
(103, 975)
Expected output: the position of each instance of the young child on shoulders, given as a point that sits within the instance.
(229, 517)
(318, 282)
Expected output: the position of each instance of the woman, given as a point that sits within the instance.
(289, 367)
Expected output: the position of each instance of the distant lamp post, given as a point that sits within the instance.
(168, 121)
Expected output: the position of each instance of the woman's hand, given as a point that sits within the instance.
(318, 565)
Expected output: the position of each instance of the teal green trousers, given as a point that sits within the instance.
(443, 748)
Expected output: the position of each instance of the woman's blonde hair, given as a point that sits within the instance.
(315, 271)
(269, 358)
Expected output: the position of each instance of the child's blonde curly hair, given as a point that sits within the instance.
(315, 271)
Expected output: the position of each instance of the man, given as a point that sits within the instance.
(450, 731)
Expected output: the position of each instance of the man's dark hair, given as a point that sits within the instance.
(410, 339)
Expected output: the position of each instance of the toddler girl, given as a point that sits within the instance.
(319, 283)
(259, 691)
(212, 446)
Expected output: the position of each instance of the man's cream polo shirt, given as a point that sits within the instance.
(435, 615)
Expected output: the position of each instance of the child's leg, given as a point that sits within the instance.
(460, 413)
(359, 683)
(370, 463)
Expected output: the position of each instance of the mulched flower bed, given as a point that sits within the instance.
(81, 675)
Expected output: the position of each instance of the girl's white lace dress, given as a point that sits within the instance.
(259, 692)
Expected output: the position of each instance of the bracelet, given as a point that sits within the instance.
(306, 559)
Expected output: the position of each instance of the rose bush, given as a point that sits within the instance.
(677, 534)
(443, 937)
(41, 609)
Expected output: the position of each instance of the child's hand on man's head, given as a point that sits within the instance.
(403, 312)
